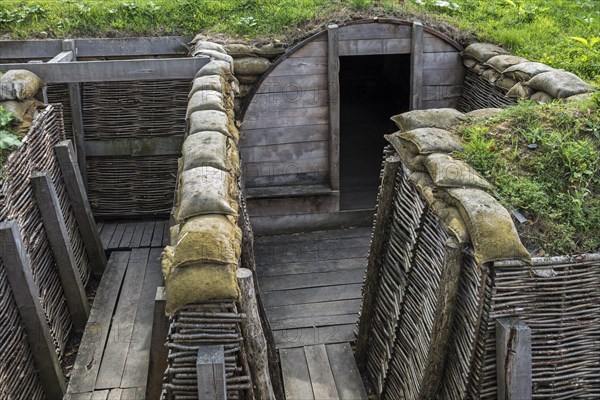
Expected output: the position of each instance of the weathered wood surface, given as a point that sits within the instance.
(132, 234)
(374, 31)
(289, 152)
(333, 71)
(290, 98)
(319, 370)
(20, 278)
(167, 145)
(301, 66)
(324, 202)
(296, 379)
(345, 372)
(416, 67)
(287, 117)
(210, 373)
(282, 135)
(286, 191)
(311, 49)
(63, 56)
(278, 84)
(513, 359)
(158, 351)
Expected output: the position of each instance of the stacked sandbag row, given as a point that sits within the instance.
(18, 89)
(424, 333)
(249, 61)
(201, 263)
(520, 78)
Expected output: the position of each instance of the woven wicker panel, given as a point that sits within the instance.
(58, 93)
(478, 93)
(134, 109)
(213, 323)
(134, 186)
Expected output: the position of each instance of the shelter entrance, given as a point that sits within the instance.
(372, 89)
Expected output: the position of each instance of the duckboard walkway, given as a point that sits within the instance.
(311, 288)
(113, 357)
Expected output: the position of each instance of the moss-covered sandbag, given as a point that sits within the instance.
(526, 70)
(19, 84)
(407, 152)
(210, 82)
(483, 51)
(437, 118)
(520, 91)
(432, 140)
(559, 84)
(448, 172)
(483, 114)
(205, 149)
(251, 65)
(206, 190)
(212, 120)
(213, 239)
(503, 61)
(217, 67)
(490, 226)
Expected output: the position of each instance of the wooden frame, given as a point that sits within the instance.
(513, 359)
(333, 71)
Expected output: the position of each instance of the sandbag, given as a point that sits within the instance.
(205, 45)
(436, 118)
(211, 120)
(526, 70)
(448, 172)
(215, 55)
(251, 65)
(483, 114)
(248, 79)
(206, 190)
(503, 61)
(505, 83)
(412, 159)
(216, 67)
(21, 110)
(270, 50)
(519, 91)
(432, 140)
(205, 100)
(483, 51)
(425, 186)
(174, 234)
(578, 97)
(239, 50)
(490, 75)
(469, 62)
(206, 148)
(207, 239)
(19, 84)
(454, 224)
(541, 97)
(187, 285)
(490, 226)
(245, 90)
(211, 82)
(559, 84)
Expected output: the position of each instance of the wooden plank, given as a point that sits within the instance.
(166, 145)
(434, 44)
(115, 394)
(89, 356)
(157, 362)
(138, 356)
(364, 47)
(336, 234)
(330, 247)
(287, 117)
(301, 66)
(268, 257)
(310, 322)
(82, 210)
(210, 373)
(20, 278)
(133, 394)
(513, 359)
(345, 372)
(321, 377)
(416, 67)
(311, 267)
(452, 76)
(100, 395)
(296, 379)
(60, 245)
(333, 71)
(166, 238)
(283, 173)
(117, 236)
(292, 98)
(146, 239)
(311, 49)
(445, 103)
(300, 204)
(104, 47)
(122, 327)
(289, 152)
(306, 310)
(312, 295)
(127, 235)
(157, 237)
(277, 84)
(374, 31)
(115, 70)
(78, 396)
(438, 93)
(137, 234)
(63, 56)
(445, 60)
(76, 104)
(107, 233)
(278, 135)
(317, 335)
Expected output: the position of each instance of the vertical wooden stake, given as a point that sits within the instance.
(210, 370)
(20, 278)
(513, 359)
(416, 67)
(333, 71)
(254, 338)
(81, 205)
(56, 230)
(375, 260)
(158, 348)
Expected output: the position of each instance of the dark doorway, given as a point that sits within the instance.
(372, 89)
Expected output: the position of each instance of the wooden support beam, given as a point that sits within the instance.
(58, 237)
(167, 145)
(210, 371)
(20, 277)
(115, 70)
(80, 205)
(416, 67)
(158, 349)
(63, 56)
(375, 260)
(333, 72)
(513, 359)
(254, 337)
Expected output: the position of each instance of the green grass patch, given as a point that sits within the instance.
(545, 162)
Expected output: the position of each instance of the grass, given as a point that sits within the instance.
(545, 162)
(561, 33)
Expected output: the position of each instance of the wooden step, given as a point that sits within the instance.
(287, 191)
(321, 372)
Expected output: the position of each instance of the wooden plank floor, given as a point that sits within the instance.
(112, 361)
(125, 235)
(311, 284)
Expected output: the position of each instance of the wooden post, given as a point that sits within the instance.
(210, 370)
(80, 205)
(254, 338)
(57, 234)
(333, 72)
(375, 260)
(20, 277)
(513, 359)
(416, 67)
(158, 349)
